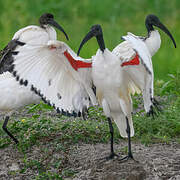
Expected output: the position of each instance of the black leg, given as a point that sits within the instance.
(129, 139)
(112, 139)
(84, 113)
(152, 112)
(129, 142)
(155, 109)
(5, 129)
(156, 104)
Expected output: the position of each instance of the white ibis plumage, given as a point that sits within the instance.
(52, 69)
(33, 35)
(140, 70)
(113, 88)
(49, 68)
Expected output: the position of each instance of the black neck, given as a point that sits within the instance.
(43, 25)
(100, 41)
(149, 27)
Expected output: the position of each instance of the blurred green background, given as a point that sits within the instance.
(117, 17)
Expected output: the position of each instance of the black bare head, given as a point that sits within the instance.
(152, 20)
(96, 31)
(48, 19)
(45, 18)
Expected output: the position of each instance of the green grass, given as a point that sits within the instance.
(31, 130)
(116, 18)
(57, 134)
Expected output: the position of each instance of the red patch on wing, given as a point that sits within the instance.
(76, 64)
(134, 61)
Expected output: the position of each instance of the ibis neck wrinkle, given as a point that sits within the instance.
(149, 27)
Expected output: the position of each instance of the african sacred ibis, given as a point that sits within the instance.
(140, 69)
(52, 69)
(38, 35)
(13, 96)
(113, 88)
(33, 35)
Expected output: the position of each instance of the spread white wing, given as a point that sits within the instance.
(44, 67)
(48, 72)
(32, 35)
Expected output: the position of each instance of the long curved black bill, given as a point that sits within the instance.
(163, 28)
(89, 35)
(55, 24)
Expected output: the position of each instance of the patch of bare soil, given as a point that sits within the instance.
(158, 161)
(155, 162)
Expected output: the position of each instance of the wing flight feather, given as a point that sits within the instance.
(50, 75)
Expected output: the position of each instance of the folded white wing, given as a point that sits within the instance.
(124, 51)
(46, 69)
(142, 75)
(140, 47)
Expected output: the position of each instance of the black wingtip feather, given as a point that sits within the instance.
(74, 114)
(53, 105)
(14, 73)
(38, 92)
(25, 82)
(58, 111)
(21, 82)
(17, 78)
(11, 68)
(79, 114)
(20, 43)
(14, 52)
